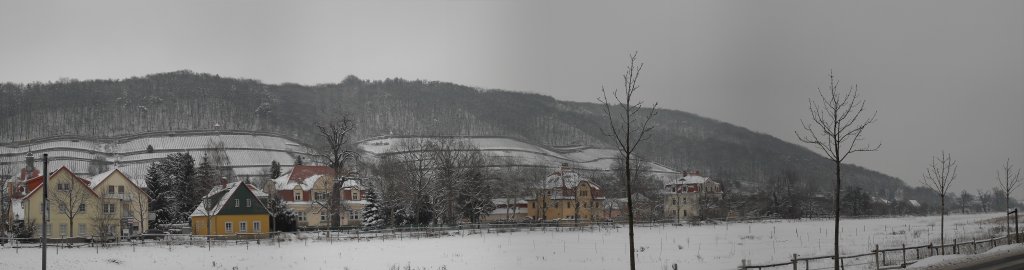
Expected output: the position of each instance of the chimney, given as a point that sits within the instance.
(30, 162)
(223, 182)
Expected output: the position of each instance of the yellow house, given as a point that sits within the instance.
(127, 201)
(567, 195)
(231, 209)
(107, 205)
(72, 208)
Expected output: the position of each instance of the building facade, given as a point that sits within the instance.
(566, 195)
(684, 197)
(231, 209)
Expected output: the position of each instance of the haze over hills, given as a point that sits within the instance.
(188, 101)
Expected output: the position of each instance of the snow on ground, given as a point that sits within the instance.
(692, 247)
(965, 261)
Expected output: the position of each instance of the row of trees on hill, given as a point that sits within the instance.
(185, 100)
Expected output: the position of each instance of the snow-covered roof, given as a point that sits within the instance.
(509, 210)
(914, 203)
(353, 183)
(96, 179)
(503, 201)
(224, 191)
(567, 179)
(285, 183)
(691, 179)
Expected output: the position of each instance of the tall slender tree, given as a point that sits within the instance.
(837, 127)
(629, 125)
(938, 177)
(1009, 180)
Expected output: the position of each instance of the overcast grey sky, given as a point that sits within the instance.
(942, 74)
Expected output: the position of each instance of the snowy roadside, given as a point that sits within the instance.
(961, 261)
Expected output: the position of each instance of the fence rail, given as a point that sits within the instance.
(887, 258)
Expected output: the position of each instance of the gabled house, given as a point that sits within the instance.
(307, 190)
(566, 195)
(231, 209)
(74, 208)
(683, 196)
(124, 199)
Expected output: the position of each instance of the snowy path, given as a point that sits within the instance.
(695, 247)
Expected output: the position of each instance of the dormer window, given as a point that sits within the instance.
(355, 194)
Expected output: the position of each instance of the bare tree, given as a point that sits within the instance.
(103, 221)
(140, 208)
(837, 125)
(629, 123)
(335, 151)
(71, 199)
(1009, 180)
(938, 177)
(336, 148)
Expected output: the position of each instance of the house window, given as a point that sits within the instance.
(81, 207)
(237, 202)
(110, 189)
(248, 202)
(120, 189)
(63, 230)
(241, 227)
(302, 217)
(353, 215)
(355, 195)
(64, 186)
(81, 230)
(257, 227)
(323, 216)
(108, 208)
(298, 195)
(228, 228)
(321, 196)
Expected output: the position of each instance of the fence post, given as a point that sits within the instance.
(794, 261)
(1016, 227)
(955, 246)
(743, 264)
(904, 249)
(931, 252)
(974, 245)
(878, 264)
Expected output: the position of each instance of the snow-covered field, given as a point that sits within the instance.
(692, 247)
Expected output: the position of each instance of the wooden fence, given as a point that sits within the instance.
(888, 258)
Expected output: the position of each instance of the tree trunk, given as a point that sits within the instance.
(942, 223)
(836, 210)
(629, 204)
(71, 230)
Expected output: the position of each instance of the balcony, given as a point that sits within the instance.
(118, 196)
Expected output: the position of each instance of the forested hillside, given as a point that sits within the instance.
(184, 100)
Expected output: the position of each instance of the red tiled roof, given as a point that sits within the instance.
(34, 183)
(302, 172)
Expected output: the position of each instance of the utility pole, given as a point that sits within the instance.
(46, 203)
